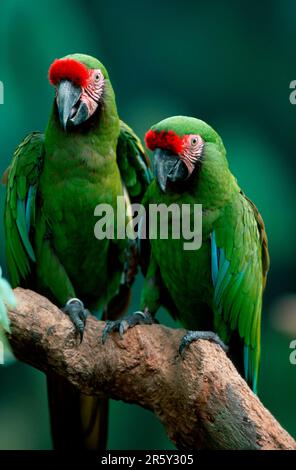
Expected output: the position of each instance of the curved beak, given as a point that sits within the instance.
(168, 168)
(68, 96)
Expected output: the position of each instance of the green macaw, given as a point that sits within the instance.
(86, 157)
(216, 289)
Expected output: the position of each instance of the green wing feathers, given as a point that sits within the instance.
(263, 240)
(22, 181)
(239, 267)
(133, 163)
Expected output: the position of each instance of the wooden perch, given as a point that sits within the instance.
(201, 399)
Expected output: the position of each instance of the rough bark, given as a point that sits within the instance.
(201, 399)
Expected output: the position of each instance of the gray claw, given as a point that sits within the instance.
(78, 314)
(123, 326)
(137, 318)
(195, 335)
(109, 327)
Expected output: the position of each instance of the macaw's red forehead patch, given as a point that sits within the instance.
(68, 69)
(165, 140)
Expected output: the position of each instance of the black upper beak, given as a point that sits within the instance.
(169, 169)
(67, 97)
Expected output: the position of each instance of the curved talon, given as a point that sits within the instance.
(74, 300)
(78, 314)
(142, 314)
(109, 327)
(137, 318)
(195, 335)
(123, 327)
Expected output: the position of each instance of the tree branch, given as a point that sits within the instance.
(201, 399)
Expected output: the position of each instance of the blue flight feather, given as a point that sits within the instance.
(214, 258)
(223, 268)
(30, 196)
(254, 385)
(250, 372)
(22, 228)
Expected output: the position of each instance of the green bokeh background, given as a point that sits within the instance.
(229, 63)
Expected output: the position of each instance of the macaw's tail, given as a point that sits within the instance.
(245, 360)
(78, 421)
(236, 352)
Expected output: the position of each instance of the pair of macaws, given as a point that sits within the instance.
(88, 156)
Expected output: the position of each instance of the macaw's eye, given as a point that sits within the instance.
(194, 141)
(97, 77)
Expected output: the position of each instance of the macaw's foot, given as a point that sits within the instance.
(78, 314)
(136, 318)
(195, 335)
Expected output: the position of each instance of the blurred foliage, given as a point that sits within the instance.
(222, 61)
